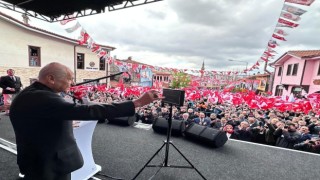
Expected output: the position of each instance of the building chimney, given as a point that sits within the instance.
(25, 19)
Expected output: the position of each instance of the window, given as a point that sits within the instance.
(295, 69)
(34, 56)
(80, 61)
(279, 71)
(318, 70)
(289, 70)
(102, 64)
(279, 90)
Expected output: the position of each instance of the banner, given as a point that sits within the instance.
(290, 16)
(146, 77)
(262, 84)
(294, 10)
(302, 2)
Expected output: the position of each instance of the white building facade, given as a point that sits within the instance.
(26, 49)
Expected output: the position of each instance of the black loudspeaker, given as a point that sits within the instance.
(124, 121)
(160, 125)
(173, 96)
(206, 135)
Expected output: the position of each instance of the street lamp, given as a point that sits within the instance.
(240, 61)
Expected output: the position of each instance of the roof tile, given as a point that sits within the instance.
(305, 54)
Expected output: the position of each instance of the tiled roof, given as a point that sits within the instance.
(305, 54)
(162, 73)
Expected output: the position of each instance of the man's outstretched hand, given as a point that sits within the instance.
(147, 98)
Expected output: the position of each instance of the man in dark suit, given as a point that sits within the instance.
(11, 85)
(42, 122)
(202, 120)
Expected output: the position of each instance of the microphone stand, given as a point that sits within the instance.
(166, 145)
(98, 79)
(87, 82)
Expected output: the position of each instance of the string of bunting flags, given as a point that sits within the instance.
(72, 25)
(289, 17)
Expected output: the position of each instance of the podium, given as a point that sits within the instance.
(83, 134)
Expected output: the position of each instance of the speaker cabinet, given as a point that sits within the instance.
(123, 121)
(160, 125)
(206, 135)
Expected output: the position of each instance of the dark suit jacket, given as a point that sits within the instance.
(206, 121)
(6, 81)
(42, 121)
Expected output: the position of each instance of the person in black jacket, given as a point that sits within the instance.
(288, 136)
(147, 117)
(11, 86)
(42, 122)
(243, 132)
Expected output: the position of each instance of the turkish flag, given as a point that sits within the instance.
(283, 21)
(278, 37)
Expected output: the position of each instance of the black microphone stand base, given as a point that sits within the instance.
(164, 164)
(166, 144)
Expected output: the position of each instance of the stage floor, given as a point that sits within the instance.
(122, 152)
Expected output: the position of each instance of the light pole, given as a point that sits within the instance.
(240, 61)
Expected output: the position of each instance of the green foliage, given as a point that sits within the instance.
(180, 80)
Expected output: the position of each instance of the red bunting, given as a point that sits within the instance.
(95, 47)
(64, 22)
(272, 44)
(283, 21)
(135, 67)
(117, 63)
(278, 37)
(102, 53)
(83, 38)
(264, 59)
(302, 2)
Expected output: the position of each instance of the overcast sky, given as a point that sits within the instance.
(183, 33)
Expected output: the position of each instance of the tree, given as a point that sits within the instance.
(180, 80)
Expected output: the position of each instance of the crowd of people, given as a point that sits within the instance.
(294, 129)
(289, 129)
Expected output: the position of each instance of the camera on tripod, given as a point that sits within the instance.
(173, 96)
